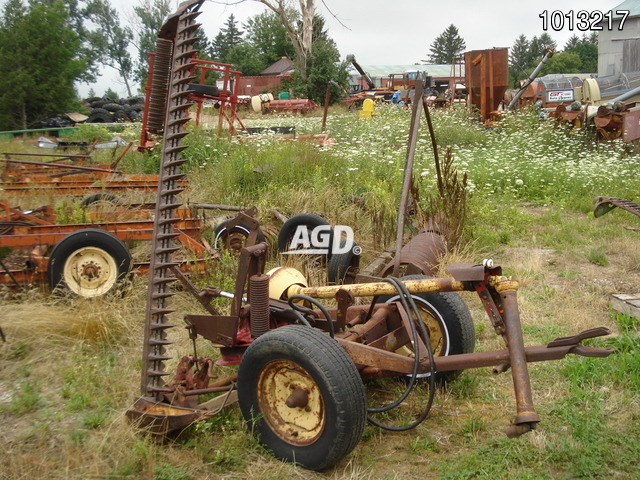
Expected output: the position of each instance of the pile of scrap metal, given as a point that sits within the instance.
(610, 103)
(618, 120)
(67, 174)
(379, 93)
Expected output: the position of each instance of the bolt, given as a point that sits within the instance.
(91, 271)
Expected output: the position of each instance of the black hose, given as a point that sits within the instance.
(416, 360)
(315, 302)
(405, 297)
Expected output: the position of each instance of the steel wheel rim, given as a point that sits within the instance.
(291, 403)
(433, 321)
(90, 272)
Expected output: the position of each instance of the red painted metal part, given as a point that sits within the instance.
(301, 105)
(35, 233)
(227, 101)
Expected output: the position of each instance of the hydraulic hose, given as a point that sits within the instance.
(410, 307)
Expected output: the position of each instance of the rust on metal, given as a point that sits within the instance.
(259, 298)
(302, 419)
(606, 204)
(380, 339)
(177, 57)
(487, 78)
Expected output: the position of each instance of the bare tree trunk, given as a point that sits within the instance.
(302, 41)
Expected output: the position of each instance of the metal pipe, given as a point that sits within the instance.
(408, 172)
(517, 358)
(498, 358)
(625, 96)
(383, 288)
(531, 78)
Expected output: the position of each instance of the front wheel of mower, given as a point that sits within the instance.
(448, 321)
(302, 395)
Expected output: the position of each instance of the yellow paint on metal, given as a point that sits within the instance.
(381, 288)
(297, 425)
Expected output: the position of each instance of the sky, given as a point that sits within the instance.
(383, 32)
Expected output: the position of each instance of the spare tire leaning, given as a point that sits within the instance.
(343, 267)
(309, 221)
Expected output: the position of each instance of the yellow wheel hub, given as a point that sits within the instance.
(90, 272)
(291, 402)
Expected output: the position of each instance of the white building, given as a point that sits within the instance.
(619, 50)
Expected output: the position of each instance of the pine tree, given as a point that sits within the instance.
(572, 42)
(587, 49)
(519, 60)
(228, 37)
(448, 45)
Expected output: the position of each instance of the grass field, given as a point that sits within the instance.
(70, 367)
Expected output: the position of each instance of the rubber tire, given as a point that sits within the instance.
(339, 383)
(289, 228)
(121, 117)
(203, 89)
(339, 265)
(99, 197)
(100, 110)
(112, 107)
(99, 117)
(454, 317)
(220, 232)
(88, 237)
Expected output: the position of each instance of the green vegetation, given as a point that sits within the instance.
(70, 368)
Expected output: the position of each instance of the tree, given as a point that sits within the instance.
(446, 46)
(519, 60)
(538, 47)
(563, 62)
(546, 42)
(572, 42)
(301, 38)
(39, 61)
(228, 37)
(587, 49)
(247, 59)
(266, 33)
(111, 40)
(150, 17)
(324, 70)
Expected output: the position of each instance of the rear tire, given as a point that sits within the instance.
(302, 395)
(448, 321)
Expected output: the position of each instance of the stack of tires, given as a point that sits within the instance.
(107, 110)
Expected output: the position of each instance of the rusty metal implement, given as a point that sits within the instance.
(301, 363)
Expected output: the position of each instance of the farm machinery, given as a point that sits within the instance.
(303, 354)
